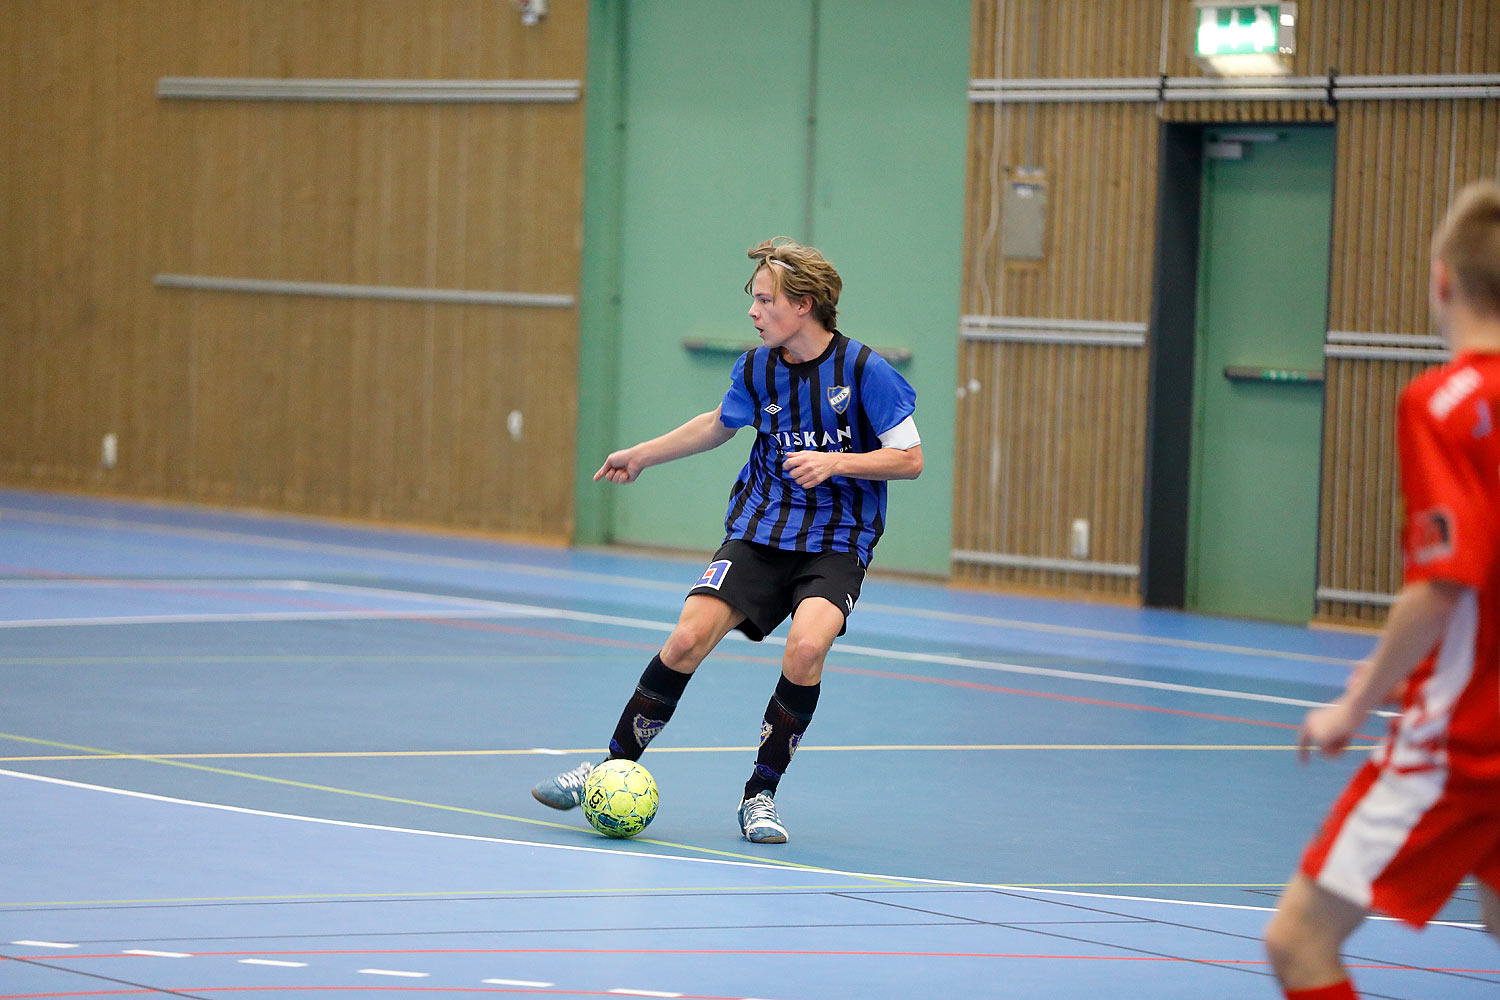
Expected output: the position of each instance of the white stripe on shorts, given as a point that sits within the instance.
(1376, 830)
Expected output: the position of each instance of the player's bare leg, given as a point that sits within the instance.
(703, 624)
(1489, 905)
(815, 624)
(1304, 938)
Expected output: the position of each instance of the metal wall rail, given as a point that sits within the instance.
(1355, 596)
(1297, 88)
(456, 296)
(1032, 330)
(203, 88)
(1385, 347)
(1043, 563)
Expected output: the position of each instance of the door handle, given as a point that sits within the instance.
(1289, 376)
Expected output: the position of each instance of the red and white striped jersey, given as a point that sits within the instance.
(1449, 443)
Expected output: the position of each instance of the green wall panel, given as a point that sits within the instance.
(892, 120)
(716, 99)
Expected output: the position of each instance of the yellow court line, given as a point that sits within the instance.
(759, 859)
(536, 752)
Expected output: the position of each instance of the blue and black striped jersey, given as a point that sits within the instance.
(842, 400)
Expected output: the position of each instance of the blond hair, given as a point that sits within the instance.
(799, 272)
(1468, 241)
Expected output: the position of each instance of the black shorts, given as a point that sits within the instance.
(766, 585)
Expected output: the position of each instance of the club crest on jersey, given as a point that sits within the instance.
(838, 398)
(1431, 535)
(646, 729)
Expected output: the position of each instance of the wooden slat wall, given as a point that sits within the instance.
(1398, 163)
(343, 407)
(1050, 433)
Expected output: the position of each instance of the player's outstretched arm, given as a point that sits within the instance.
(1418, 620)
(809, 468)
(702, 433)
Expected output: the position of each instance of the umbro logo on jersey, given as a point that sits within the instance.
(773, 409)
(838, 398)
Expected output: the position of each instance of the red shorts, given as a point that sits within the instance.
(1401, 843)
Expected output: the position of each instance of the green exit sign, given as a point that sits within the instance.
(1246, 29)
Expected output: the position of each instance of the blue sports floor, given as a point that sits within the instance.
(278, 756)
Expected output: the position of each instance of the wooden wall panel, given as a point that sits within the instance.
(1399, 161)
(1049, 433)
(1399, 164)
(335, 406)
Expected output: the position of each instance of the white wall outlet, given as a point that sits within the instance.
(109, 451)
(1078, 539)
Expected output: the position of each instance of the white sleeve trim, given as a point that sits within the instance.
(904, 435)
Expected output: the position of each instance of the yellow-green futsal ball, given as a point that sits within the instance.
(619, 798)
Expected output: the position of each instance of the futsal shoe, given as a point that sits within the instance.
(564, 791)
(759, 822)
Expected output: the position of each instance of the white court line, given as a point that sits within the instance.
(393, 972)
(253, 583)
(1080, 632)
(147, 953)
(252, 617)
(882, 881)
(357, 551)
(518, 982)
(504, 609)
(637, 583)
(273, 963)
(43, 944)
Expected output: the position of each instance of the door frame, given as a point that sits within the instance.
(1169, 393)
(1170, 400)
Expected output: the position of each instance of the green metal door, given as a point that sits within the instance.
(1258, 390)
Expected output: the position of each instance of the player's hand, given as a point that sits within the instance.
(1328, 729)
(620, 467)
(809, 468)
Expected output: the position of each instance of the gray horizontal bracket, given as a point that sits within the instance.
(1361, 346)
(1030, 330)
(390, 293)
(1013, 561)
(203, 88)
(1355, 597)
(1391, 87)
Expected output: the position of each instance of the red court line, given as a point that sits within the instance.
(882, 674)
(1078, 699)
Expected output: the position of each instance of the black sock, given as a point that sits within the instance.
(787, 715)
(648, 710)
